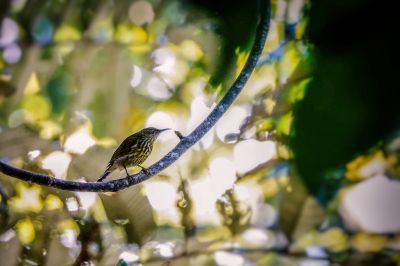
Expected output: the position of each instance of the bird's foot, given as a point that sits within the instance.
(145, 171)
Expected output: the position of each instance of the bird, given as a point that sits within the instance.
(133, 151)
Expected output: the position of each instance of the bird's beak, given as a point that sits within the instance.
(161, 130)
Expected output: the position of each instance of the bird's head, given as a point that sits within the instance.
(151, 131)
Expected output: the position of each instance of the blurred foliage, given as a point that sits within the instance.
(237, 35)
(301, 170)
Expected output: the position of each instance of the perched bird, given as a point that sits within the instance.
(133, 151)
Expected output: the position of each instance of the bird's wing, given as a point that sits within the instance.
(124, 148)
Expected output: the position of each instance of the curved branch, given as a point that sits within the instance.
(183, 145)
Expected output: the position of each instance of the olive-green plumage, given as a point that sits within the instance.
(133, 151)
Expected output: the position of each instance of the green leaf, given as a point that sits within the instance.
(350, 104)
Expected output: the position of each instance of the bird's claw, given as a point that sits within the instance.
(145, 171)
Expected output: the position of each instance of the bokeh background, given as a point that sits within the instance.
(303, 169)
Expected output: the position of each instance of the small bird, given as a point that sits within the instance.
(133, 151)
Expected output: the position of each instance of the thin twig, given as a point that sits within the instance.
(183, 145)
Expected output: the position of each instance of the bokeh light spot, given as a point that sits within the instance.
(136, 76)
(250, 153)
(79, 142)
(86, 199)
(222, 171)
(373, 205)
(160, 120)
(141, 12)
(231, 121)
(161, 195)
(198, 112)
(12, 53)
(223, 258)
(158, 89)
(43, 30)
(8, 32)
(57, 162)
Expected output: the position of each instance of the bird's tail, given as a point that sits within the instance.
(106, 173)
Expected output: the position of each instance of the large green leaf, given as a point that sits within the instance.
(350, 104)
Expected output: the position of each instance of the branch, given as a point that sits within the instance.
(183, 145)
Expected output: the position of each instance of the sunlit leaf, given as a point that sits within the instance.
(49, 129)
(296, 91)
(308, 239)
(284, 124)
(275, 35)
(283, 151)
(106, 142)
(52, 202)
(68, 224)
(32, 86)
(289, 61)
(191, 50)
(240, 61)
(37, 105)
(129, 34)
(269, 105)
(28, 198)
(366, 166)
(25, 231)
(265, 125)
(334, 239)
(270, 187)
(364, 242)
(300, 29)
(67, 33)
